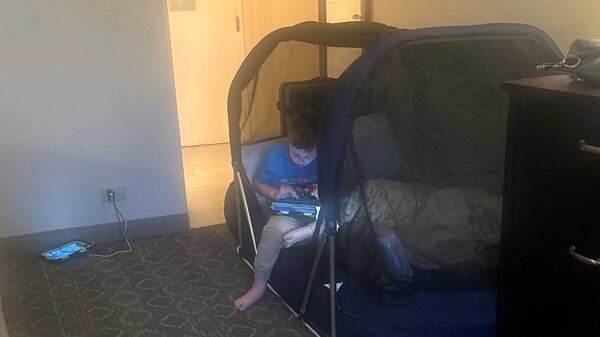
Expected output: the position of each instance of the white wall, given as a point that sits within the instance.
(86, 100)
(563, 20)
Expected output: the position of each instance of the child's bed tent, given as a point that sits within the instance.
(288, 58)
(436, 185)
(411, 162)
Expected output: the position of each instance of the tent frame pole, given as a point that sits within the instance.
(238, 207)
(238, 178)
(313, 274)
(323, 49)
(328, 235)
(332, 284)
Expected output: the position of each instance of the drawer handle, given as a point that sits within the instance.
(583, 146)
(583, 259)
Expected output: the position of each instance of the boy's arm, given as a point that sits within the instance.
(275, 193)
(265, 190)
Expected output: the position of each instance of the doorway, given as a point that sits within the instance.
(207, 44)
(209, 40)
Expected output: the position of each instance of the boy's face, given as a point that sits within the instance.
(302, 157)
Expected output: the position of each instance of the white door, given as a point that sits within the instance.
(338, 59)
(208, 47)
(344, 10)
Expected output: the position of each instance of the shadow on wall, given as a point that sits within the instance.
(48, 189)
(45, 190)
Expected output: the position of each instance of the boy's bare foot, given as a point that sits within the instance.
(252, 296)
(296, 235)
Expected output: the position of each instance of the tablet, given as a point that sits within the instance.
(66, 251)
(309, 210)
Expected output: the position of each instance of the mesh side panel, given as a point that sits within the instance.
(447, 107)
(290, 61)
(338, 59)
(429, 138)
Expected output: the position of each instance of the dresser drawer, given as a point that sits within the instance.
(554, 166)
(552, 198)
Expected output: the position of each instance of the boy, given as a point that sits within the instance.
(289, 164)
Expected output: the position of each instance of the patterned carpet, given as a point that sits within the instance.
(173, 285)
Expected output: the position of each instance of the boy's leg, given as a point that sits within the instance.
(268, 250)
(271, 243)
(298, 234)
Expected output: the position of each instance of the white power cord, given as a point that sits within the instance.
(111, 196)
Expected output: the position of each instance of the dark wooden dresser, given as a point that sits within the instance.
(549, 280)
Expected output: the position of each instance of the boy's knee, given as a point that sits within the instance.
(279, 225)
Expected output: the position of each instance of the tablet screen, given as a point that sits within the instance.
(66, 250)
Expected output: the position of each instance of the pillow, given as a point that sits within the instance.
(378, 150)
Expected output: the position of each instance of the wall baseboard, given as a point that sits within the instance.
(40, 242)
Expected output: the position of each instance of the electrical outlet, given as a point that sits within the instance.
(120, 193)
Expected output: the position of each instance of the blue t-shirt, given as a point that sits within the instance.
(278, 168)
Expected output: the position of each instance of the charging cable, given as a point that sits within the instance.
(111, 197)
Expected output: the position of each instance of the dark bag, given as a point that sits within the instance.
(582, 62)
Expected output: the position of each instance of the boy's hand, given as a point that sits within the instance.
(315, 191)
(285, 192)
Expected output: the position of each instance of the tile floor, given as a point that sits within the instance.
(208, 173)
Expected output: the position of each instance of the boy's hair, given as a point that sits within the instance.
(302, 130)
